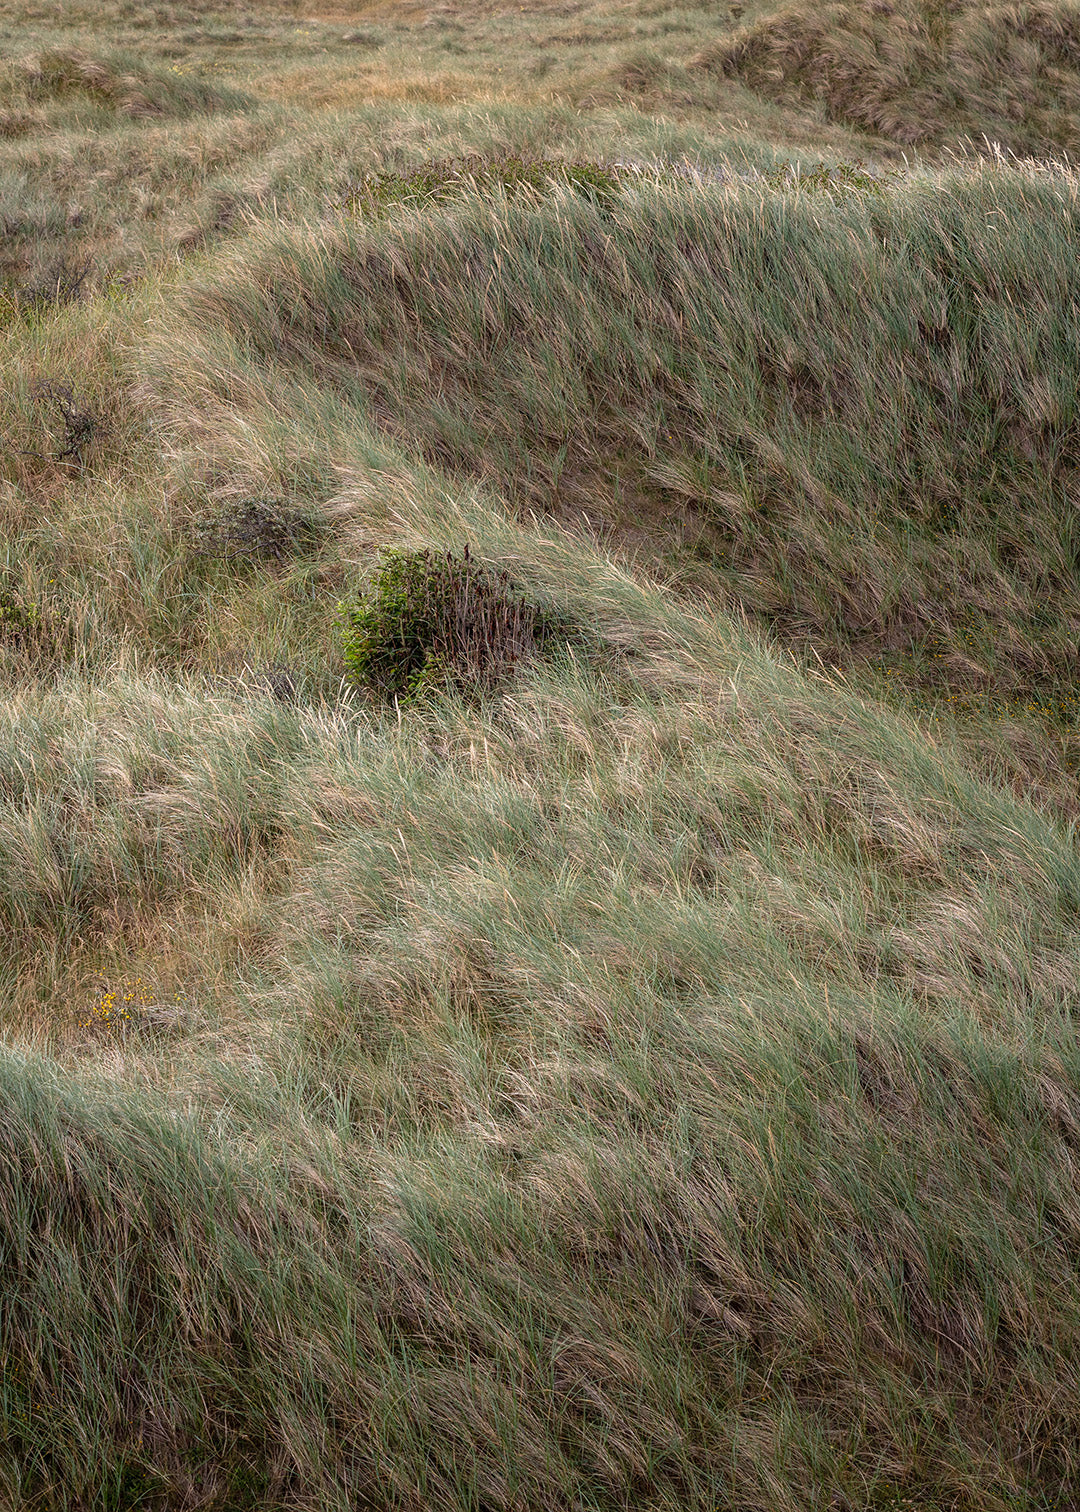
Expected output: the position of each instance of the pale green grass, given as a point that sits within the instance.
(654, 1085)
(649, 1073)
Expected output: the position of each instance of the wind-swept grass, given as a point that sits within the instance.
(686, 355)
(643, 1075)
(918, 72)
(652, 1116)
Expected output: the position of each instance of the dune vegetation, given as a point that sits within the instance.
(539, 756)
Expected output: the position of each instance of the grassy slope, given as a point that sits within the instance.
(917, 72)
(656, 1086)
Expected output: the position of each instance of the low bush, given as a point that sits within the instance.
(60, 283)
(79, 425)
(258, 528)
(441, 622)
(62, 422)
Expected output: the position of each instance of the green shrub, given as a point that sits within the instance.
(441, 622)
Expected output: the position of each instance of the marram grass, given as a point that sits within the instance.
(648, 1078)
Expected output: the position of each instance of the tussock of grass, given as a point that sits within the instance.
(436, 182)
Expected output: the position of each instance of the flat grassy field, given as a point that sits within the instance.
(539, 756)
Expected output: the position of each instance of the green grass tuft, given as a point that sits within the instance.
(122, 82)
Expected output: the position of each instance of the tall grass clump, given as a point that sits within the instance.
(119, 81)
